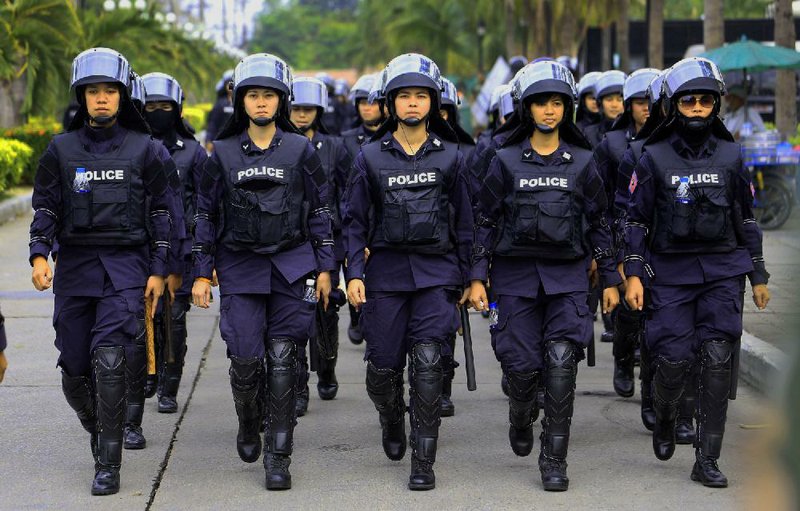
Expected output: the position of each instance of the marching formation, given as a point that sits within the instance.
(620, 191)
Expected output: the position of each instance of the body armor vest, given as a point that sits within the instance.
(704, 223)
(113, 210)
(183, 158)
(412, 206)
(543, 215)
(325, 146)
(264, 201)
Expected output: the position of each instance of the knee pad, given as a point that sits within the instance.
(716, 354)
(561, 355)
(281, 354)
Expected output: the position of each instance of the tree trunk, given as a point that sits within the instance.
(511, 28)
(713, 24)
(12, 95)
(623, 25)
(605, 38)
(655, 33)
(786, 86)
(540, 30)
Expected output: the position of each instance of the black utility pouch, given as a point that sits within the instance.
(82, 210)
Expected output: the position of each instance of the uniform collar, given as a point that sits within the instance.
(249, 148)
(562, 154)
(704, 150)
(101, 134)
(433, 143)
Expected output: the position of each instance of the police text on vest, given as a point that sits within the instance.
(412, 179)
(538, 182)
(105, 175)
(260, 171)
(698, 179)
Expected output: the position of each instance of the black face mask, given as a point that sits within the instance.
(160, 121)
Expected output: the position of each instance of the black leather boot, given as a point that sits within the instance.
(246, 385)
(281, 412)
(79, 391)
(135, 372)
(668, 383)
(648, 414)
(561, 368)
(385, 389)
(109, 384)
(353, 329)
(327, 384)
(627, 325)
(608, 328)
(173, 369)
(523, 410)
(712, 410)
(425, 389)
(684, 425)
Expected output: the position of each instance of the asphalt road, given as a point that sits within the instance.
(191, 462)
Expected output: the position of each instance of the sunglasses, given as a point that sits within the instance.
(690, 100)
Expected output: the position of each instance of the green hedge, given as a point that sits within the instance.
(36, 134)
(15, 156)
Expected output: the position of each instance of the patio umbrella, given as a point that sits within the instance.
(752, 56)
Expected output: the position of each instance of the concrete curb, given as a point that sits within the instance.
(14, 207)
(760, 363)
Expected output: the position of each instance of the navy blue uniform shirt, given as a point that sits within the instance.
(390, 270)
(81, 270)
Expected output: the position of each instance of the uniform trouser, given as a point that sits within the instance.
(683, 317)
(691, 322)
(84, 324)
(332, 322)
(394, 321)
(524, 325)
(170, 372)
(282, 322)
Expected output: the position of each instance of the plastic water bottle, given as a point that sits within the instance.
(81, 182)
(747, 130)
(682, 194)
(310, 291)
(493, 315)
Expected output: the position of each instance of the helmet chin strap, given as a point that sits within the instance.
(413, 121)
(544, 128)
(262, 121)
(103, 120)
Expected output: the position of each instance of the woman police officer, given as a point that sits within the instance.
(97, 187)
(407, 201)
(539, 211)
(690, 228)
(310, 99)
(163, 113)
(266, 180)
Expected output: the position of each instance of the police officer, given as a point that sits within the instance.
(690, 227)
(309, 102)
(370, 116)
(607, 155)
(419, 235)
(451, 102)
(631, 322)
(539, 218)
(137, 92)
(97, 187)
(276, 235)
(608, 96)
(587, 112)
(222, 110)
(163, 113)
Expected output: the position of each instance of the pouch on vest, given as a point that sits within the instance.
(550, 223)
(82, 210)
(704, 218)
(110, 206)
(411, 210)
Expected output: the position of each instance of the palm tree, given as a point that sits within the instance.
(786, 86)
(37, 42)
(655, 33)
(713, 24)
